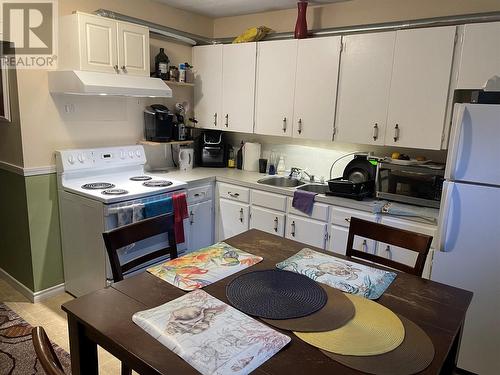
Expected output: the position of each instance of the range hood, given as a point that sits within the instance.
(81, 82)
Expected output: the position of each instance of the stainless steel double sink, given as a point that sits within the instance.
(288, 182)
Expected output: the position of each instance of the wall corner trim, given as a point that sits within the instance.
(32, 171)
(12, 168)
(27, 292)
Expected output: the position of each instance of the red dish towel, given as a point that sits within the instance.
(180, 213)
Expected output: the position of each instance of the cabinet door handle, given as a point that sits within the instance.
(215, 119)
(276, 224)
(234, 195)
(375, 132)
(241, 215)
(191, 217)
(124, 68)
(115, 67)
(227, 120)
(396, 133)
(348, 219)
(293, 229)
(300, 126)
(365, 246)
(388, 251)
(284, 125)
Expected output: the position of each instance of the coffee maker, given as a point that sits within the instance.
(158, 124)
(212, 149)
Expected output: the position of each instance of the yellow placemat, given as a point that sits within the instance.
(374, 330)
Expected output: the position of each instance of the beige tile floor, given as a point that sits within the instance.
(48, 314)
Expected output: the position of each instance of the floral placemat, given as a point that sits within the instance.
(210, 335)
(349, 277)
(205, 266)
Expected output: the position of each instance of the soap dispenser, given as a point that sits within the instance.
(281, 165)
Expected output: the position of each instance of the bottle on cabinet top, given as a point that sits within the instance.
(161, 65)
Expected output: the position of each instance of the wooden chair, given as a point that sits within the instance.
(45, 352)
(419, 243)
(131, 233)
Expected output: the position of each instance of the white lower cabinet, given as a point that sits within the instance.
(338, 241)
(308, 231)
(199, 225)
(233, 218)
(339, 231)
(402, 255)
(267, 220)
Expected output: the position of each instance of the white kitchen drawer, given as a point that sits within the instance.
(233, 192)
(320, 211)
(268, 221)
(199, 194)
(342, 216)
(269, 200)
(428, 229)
(310, 232)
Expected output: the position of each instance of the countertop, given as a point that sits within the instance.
(249, 179)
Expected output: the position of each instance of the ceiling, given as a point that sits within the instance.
(223, 8)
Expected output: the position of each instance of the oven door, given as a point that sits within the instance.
(132, 212)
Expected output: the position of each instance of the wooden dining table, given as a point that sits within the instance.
(104, 318)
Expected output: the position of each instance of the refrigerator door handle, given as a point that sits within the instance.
(454, 145)
(444, 214)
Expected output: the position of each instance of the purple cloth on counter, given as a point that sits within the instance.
(303, 201)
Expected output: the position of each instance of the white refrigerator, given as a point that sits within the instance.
(469, 231)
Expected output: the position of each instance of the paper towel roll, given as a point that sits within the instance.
(251, 156)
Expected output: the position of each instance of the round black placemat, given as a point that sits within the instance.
(276, 294)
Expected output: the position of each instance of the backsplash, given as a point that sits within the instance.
(317, 156)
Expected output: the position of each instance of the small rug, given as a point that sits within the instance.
(17, 355)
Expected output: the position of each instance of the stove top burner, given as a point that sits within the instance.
(157, 183)
(140, 178)
(114, 192)
(98, 186)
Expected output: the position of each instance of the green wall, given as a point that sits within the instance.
(45, 238)
(15, 247)
(30, 240)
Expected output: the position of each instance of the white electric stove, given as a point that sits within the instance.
(95, 186)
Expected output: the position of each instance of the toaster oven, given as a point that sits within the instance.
(414, 184)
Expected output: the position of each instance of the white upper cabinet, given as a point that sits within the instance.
(480, 55)
(276, 65)
(316, 88)
(238, 87)
(133, 49)
(419, 87)
(93, 43)
(207, 62)
(98, 43)
(364, 84)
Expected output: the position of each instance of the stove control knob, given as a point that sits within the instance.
(71, 159)
(138, 153)
(131, 154)
(81, 158)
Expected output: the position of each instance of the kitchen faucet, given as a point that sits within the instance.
(296, 172)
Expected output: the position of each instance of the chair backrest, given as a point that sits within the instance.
(419, 243)
(131, 233)
(45, 352)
